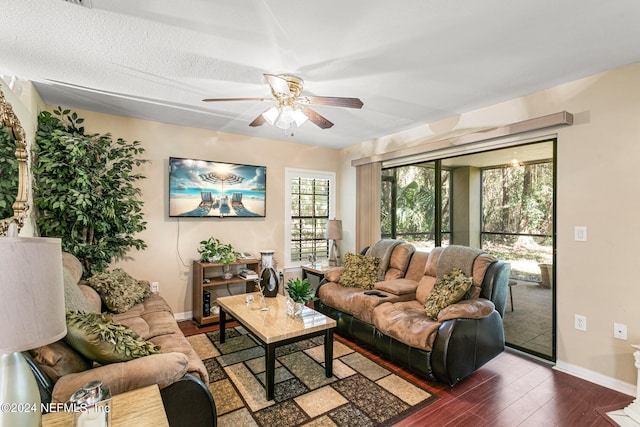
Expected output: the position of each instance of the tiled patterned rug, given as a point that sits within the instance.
(360, 393)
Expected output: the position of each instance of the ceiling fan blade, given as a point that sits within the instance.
(333, 101)
(278, 84)
(258, 121)
(316, 118)
(234, 99)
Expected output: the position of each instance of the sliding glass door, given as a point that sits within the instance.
(501, 201)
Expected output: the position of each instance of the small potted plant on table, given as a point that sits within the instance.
(300, 293)
(212, 250)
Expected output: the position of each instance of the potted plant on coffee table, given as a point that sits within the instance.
(300, 293)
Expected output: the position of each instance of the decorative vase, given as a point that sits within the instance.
(269, 280)
(294, 309)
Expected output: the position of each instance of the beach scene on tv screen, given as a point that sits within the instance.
(203, 188)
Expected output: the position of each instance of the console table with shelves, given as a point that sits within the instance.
(208, 276)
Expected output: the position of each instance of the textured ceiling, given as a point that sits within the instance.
(411, 62)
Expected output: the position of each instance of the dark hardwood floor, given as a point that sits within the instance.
(511, 390)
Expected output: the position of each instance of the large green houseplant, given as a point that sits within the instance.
(84, 190)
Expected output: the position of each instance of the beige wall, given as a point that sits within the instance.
(172, 242)
(598, 187)
(598, 178)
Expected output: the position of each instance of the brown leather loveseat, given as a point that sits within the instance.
(464, 336)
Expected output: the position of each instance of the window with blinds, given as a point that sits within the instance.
(310, 203)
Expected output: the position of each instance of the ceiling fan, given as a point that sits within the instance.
(291, 106)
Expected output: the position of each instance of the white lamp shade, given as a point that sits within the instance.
(32, 312)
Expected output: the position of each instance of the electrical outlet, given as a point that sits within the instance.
(580, 233)
(155, 287)
(620, 331)
(580, 322)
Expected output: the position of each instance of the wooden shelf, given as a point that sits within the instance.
(213, 273)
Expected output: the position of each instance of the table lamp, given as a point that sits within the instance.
(334, 233)
(32, 314)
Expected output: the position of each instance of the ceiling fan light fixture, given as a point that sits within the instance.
(299, 117)
(271, 115)
(286, 118)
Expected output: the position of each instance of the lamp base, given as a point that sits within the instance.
(18, 392)
(334, 254)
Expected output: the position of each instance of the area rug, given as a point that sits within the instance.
(360, 393)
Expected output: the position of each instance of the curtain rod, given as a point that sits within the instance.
(563, 118)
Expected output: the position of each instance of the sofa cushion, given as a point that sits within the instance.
(480, 266)
(101, 339)
(416, 266)
(397, 286)
(92, 296)
(407, 323)
(431, 266)
(72, 265)
(359, 271)
(58, 359)
(162, 369)
(118, 290)
(338, 296)
(448, 290)
(467, 309)
(424, 288)
(154, 321)
(333, 275)
(399, 261)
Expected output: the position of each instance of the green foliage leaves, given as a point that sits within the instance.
(300, 290)
(8, 173)
(84, 190)
(518, 200)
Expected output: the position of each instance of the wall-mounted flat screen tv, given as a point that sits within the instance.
(202, 188)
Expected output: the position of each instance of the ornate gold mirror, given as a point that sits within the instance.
(13, 168)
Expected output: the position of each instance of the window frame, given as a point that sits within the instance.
(291, 173)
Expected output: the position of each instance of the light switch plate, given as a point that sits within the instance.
(580, 233)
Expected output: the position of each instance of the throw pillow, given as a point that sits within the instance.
(74, 299)
(360, 271)
(118, 290)
(97, 337)
(448, 290)
(59, 359)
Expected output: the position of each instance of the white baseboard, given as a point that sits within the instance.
(596, 378)
(187, 315)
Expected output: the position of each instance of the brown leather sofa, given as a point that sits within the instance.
(177, 369)
(465, 335)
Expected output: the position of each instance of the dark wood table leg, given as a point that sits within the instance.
(223, 321)
(328, 353)
(270, 370)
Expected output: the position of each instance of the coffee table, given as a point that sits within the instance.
(271, 326)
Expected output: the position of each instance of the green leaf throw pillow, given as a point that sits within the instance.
(118, 290)
(360, 271)
(97, 337)
(448, 290)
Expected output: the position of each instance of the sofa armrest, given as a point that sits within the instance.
(397, 286)
(464, 345)
(333, 275)
(467, 309)
(188, 402)
(162, 369)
